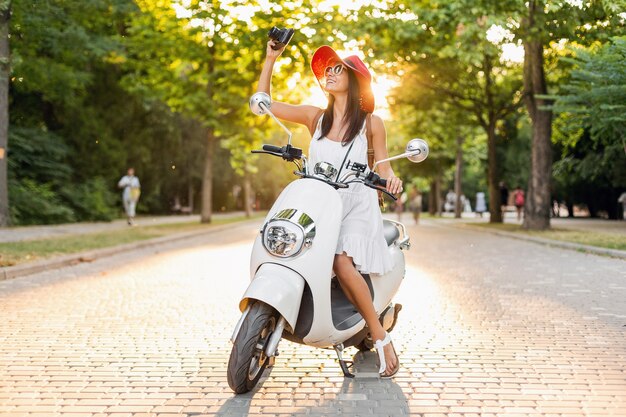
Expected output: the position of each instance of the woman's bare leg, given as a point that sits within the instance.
(357, 291)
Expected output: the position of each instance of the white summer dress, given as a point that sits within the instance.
(361, 235)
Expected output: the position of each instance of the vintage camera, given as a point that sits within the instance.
(281, 37)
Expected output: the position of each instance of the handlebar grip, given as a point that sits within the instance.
(272, 148)
(382, 182)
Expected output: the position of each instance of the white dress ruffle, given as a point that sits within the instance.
(361, 236)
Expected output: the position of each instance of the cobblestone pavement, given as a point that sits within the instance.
(491, 327)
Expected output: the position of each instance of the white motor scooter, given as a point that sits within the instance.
(294, 293)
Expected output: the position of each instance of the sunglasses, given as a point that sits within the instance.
(335, 70)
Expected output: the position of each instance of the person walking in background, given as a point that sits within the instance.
(415, 204)
(622, 199)
(504, 198)
(481, 206)
(130, 195)
(518, 200)
(399, 207)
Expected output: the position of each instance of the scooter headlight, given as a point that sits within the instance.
(283, 238)
(288, 232)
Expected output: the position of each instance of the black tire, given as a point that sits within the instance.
(247, 358)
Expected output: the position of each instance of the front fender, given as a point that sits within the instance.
(279, 287)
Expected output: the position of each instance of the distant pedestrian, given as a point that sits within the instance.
(415, 205)
(504, 198)
(622, 199)
(556, 208)
(519, 200)
(399, 207)
(450, 202)
(130, 195)
(481, 206)
(467, 205)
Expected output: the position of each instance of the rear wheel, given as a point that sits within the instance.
(247, 358)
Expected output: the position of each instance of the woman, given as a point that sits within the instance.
(481, 204)
(130, 195)
(339, 133)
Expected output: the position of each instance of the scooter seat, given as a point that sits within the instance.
(390, 231)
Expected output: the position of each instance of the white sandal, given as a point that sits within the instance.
(380, 345)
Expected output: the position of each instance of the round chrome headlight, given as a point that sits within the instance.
(288, 232)
(283, 238)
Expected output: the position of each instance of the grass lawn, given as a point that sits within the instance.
(13, 253)
(599, 239)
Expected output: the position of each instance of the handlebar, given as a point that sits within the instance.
(374, 181)
(272, 148)
(288, 152)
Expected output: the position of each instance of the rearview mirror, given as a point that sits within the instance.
(416, 151)
(413, 147)
(260, 102)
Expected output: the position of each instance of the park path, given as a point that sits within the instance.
(21, 233)
(491, 327)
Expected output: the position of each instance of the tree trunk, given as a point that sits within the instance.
(207, 179)
(438, 194)
(495, 213)
(190, 196)
(570, 208)
(537, 207)
(247, 188)
(458, 207)
(432, 198)
(5, 14)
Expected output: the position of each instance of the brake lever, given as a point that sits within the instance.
(268, 152)
(384, 190)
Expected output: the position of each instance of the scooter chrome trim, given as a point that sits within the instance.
(279, 287)
(403, 243)
(272, 344)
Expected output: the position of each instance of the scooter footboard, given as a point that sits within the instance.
(279, 287)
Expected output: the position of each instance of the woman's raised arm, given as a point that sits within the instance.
(302, 114)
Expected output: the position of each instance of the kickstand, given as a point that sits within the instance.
(345, 365)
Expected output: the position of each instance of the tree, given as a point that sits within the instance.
(476, 80)
(5, 70)
(539, 25)
(595, 96)
(589, 129)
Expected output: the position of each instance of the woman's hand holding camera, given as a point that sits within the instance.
(271, 53)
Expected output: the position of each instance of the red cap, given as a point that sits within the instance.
(325, 56)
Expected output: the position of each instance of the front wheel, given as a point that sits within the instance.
(247, 358)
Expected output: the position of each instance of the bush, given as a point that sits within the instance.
(32, 203)
(91, 200)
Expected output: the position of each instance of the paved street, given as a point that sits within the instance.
(492, 326)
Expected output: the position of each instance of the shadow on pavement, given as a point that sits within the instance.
(364, 394)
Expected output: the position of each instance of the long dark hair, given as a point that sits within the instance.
(354, 116)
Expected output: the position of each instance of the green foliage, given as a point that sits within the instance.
(39, 155)
(595, 95)
(35, 203)
(91, 200)
(100, 85)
